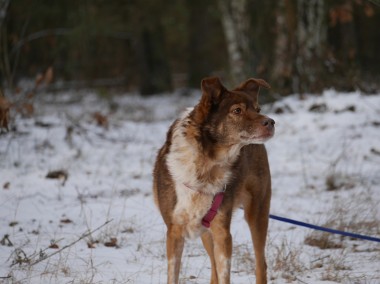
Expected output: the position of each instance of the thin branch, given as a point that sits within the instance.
(71, 244)
(62, 32)
(37, 35)
(75, 123)
(376, 2)
(5, 64)
(3, 11)
(15, 63)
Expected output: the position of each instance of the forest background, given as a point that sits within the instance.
(150, 46)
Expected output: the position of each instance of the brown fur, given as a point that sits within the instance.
(217, 144)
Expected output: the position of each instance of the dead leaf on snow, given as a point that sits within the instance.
(13, 223)
(100, 119)
(92, 244)
(59, 174)
(111, 243)
(54, 246)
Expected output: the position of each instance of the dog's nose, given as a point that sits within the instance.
(268, 122)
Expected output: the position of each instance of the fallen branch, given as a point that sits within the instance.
(71, 244)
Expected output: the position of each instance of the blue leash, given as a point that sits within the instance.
(328, 230)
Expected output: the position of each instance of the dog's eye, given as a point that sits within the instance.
(237, 110)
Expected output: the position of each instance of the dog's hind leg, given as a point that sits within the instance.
(208, 244)
(257, 217)
(174, 247)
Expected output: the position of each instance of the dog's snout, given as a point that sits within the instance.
(268, 122)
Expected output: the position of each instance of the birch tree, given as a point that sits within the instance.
(235, 23)
(285, 47)
(311, 38)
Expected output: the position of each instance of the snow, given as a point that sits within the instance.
(325, 168)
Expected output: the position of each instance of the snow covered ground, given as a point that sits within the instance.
(325, 163)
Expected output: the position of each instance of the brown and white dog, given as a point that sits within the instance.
(212, 148)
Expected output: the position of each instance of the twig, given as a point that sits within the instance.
(301, 280)
(17, 55)
(376, 2)
(75, 123)
(304, 173)
(64, 32)
(37, 35)
(3, 11)
(320, 258)
(71, 244)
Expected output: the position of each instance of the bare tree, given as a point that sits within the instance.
(4, 61)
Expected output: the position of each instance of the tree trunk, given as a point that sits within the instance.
(153, 64)
(343, 41)
(284, 47)
(4, 59)
(198, 42)
(235, 24)
(311, 38)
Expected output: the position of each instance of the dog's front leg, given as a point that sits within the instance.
(208, 244)
(174, 247)
(222, 252)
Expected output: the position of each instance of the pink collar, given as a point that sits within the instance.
(207, 219)
(216, 202)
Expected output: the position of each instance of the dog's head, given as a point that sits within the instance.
(232, 117)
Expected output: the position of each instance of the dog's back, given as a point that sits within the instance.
(163, 185)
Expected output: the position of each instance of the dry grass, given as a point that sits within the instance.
(323, 241)
(243, 258)
(42, 263)
(285, 261)
(359, 216)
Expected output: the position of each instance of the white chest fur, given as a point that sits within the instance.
(186, 164)
(191, 207)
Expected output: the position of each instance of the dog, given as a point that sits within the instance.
(214, 161)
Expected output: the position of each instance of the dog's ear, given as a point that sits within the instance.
(212, 90)
(252, 86)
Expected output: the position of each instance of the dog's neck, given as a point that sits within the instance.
(203, 166)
